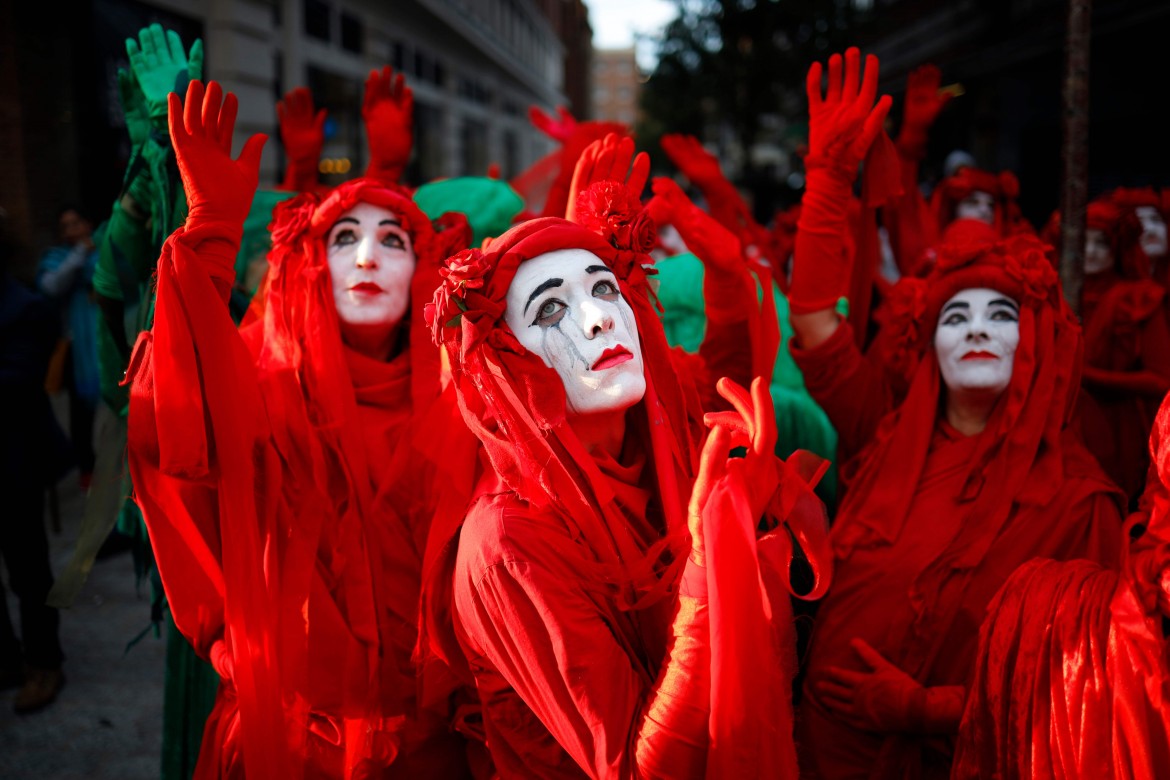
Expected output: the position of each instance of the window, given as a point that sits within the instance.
(316, 20)
(352, 34)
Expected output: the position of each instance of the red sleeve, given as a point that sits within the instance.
(547, 638)
(204, 475)
(852, 390)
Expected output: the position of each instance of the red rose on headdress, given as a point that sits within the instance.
(461, 272)
(608, 209)
(465, 269)
(1027, 263)
(292, 218)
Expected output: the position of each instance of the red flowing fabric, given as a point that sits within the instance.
(569, 565)
(1073, 671)
(287, 508)
(933, 522)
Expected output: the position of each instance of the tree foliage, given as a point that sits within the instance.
(728, 63)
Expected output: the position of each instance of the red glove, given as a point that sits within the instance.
(302, 133)
(693, 161)
(388, 111)
(727, 285)
(886, 699)
(712, 467)
(609, 160)
(923, 102)
(574, 138)
(752, 425)
(219, 189)
(842, 126)
(560, 129)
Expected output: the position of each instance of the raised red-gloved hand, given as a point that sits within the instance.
(559, 129)
(219, 189)
(712, 468)
(843, 123)
(610, 159)
(924, 101)
(302, 131)
(752, 425)
(713, 243)
(885, 699)
(845, 120)
(388, 111)
(693, 161)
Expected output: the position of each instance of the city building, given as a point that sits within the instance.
(617, 80)
(475, 67)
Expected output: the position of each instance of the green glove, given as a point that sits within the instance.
(133, 107)
(161, 66)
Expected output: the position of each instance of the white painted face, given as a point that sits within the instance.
(1153, 231)
(976, 339)
(565, 307)
(371, 262)
(978, 205)
(1098, 252)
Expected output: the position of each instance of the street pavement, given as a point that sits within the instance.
(107, 720)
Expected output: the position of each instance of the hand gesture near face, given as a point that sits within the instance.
(218, 188)
(703, 235)
(752, 425)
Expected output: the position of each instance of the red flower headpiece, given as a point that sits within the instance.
(608, 209)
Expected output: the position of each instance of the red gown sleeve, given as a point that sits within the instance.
(852, 389)
(204, 476)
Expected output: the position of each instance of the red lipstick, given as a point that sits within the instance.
(614, 356)
(980, 355)
(366, 287)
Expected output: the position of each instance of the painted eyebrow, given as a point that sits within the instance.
(956, 305)
(547, 283)
(595, 268)
(393, 222)
(344, 219)
(1005, 302)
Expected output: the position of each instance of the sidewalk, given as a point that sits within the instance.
(107, 721)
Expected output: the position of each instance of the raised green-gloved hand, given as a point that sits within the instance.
(161, 66)
(133, 107)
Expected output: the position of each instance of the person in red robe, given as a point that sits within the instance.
(1127, 344)
(276, 469)
(605, 587)
(1072, 674)
(971, 474)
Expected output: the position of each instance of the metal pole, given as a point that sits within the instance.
(1075, 153)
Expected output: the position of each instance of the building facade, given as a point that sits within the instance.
(617, 82)
(475, 67)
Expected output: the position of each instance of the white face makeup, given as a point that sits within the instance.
(371, 262)
(565, 307)
(1098, 253)
(976, 339)
(978, 205)
(1153, 231)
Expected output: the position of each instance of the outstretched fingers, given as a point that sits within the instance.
(213, 96)
(852, 74)
(764, 442)
(870, 83)
(833, 95)
(227, 122)
(812, 85)
(192, 106)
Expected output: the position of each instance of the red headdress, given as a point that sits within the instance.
(1019, 458)
(1004, 187)
(1132, 261)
